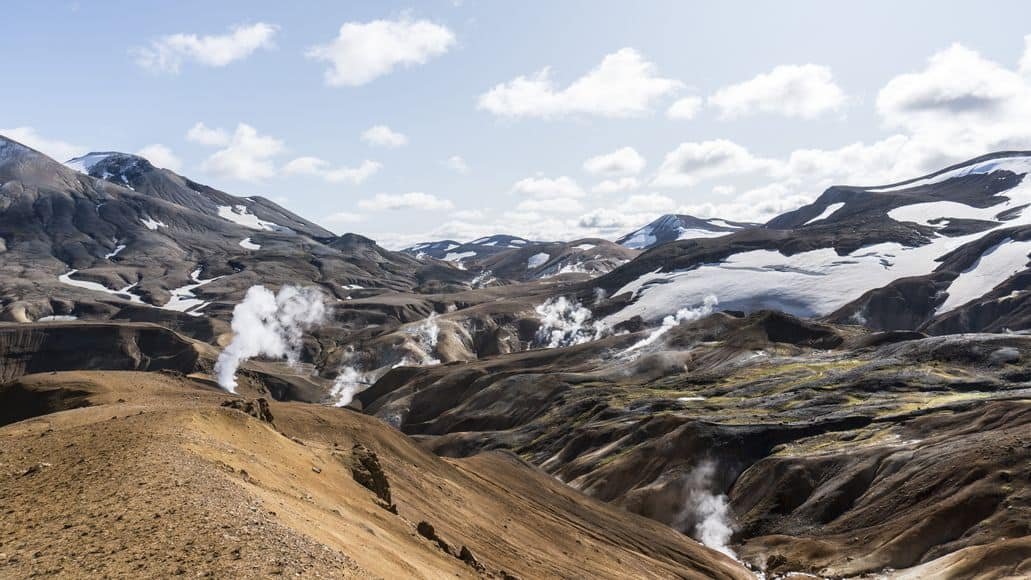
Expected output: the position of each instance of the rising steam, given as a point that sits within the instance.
(566, 322)
(418, 352)
(267, 324)
(706, 515)
(350, 381)
(683, 315)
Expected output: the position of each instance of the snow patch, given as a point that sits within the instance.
(242, 216)
(183, 298)
(152, 224)
(537, 260)
(124, 293)
(996, 265)
(247, 244)
(830, 209)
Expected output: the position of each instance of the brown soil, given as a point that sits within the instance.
(149, 476)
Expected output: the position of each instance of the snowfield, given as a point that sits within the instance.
(240, 215)
(537, 260)
(818, 282)
(994, 267)
(826, 213)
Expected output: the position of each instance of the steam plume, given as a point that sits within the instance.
(706, 515)
(566, 322)
(269, 324)
(349, 382)
(683, 315)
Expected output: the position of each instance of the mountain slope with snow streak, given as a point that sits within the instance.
(889, 257)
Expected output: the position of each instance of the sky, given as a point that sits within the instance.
(445, 119)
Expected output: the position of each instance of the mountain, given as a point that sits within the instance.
(507, 258)
(125, 236)
(673, 227)
(947, 252)
(452, 251)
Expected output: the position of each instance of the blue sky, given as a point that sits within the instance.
(780, 100)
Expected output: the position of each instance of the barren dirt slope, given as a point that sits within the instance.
(148, 475)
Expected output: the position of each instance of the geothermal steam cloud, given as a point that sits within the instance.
(683, 315)
(705, 514)
(267, 324)
(566, 322)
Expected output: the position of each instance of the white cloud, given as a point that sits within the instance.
(960, 106)
(545, 187)
(691, 163)
(160, 156)
(685, 109)
(648, 203)
(317, 167)
(414, 200)
(805, 91)
(384, 136)
(166, 54)
(361, 52)
(550, 205)
(201, 133)
(247, 156)
(59, 150)
(457, 164)
(616, 185)
(757, 205)
(624, 84)
(1025, 59)
(625, 161)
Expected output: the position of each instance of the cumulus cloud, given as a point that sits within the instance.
(691, 163)
(161, 156)
(806, 91)
(617, 185)
(201, 133)
(624, 84)
(383, 136)
(960, 106)
(648, 203)
(167, 53)
(246, 156)
(362, 52)
(545, 187)
(625, 161)
(317, 167)
(413, 200)
(457, 164)
(756, 205)
(685, 109)
(55, 148)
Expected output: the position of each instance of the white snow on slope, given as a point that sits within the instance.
(818, 282)
(183, 299)
(996, 265)
(247, 244)
(152, 224)
(585, 247)
(124, 293)
(641, 239)
(458, 256)
(537, 260)
(826, 213)
(118, 249)
(240, 215)
(57, 318)
(1015, 164)
(85, 163)
(695, 233)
